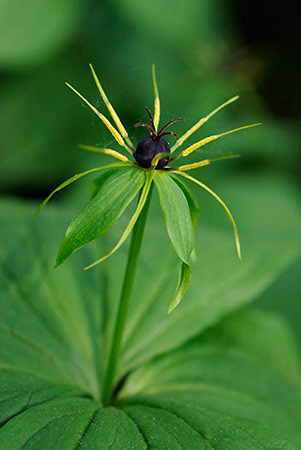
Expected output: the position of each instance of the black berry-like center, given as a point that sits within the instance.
(154, 144)
(148, 148)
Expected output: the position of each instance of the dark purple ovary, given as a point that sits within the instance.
(148, 148)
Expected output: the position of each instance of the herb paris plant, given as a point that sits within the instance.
(114, 190)
(123, 181)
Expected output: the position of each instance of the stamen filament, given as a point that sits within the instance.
(107, 123)
(208, 139)
(205, 162)
(105, 151)
(157, 99)
(111, 110)
(201, 122)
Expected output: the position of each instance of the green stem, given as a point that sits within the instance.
(128, 282)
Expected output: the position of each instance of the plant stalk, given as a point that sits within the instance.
(128, 282)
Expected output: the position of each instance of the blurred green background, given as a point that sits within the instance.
(205, 52)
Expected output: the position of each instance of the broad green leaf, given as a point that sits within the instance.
(177, 425)
(220, 284)
(71, 422)
(247, 367)
(56, 423)
(193, 206)
(114, 195)
(177, 216)
(55, 332)
(179, 212)
(99, 181)
(112, 428)
(142, 200)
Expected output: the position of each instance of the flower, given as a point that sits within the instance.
(149, 163)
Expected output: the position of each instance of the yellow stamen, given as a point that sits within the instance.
(110, 108)
(205, 162)
(195, 165)
(105, 151)
(201, 122)
(157, 99)
(221, 202)
(107, 123)
(208, 139)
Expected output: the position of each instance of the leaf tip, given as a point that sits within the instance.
(171, 308)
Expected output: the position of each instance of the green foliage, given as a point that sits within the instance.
(205, 376)
(26, 39)
(188, 384)
(177, 215)
(114, 194)
(193, 206)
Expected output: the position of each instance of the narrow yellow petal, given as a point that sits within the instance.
(157, 99)
(105, 151)
(110, 108)
(132, 222)
(205, 162)
(208, 139)
(107, 123)
(221, 202)
(201, 122)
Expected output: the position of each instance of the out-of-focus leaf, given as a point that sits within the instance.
(54, 338)
(40, 129)
(226, 376)
(220, 284)
(31, 31)
(153, 19)
(112, 198)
